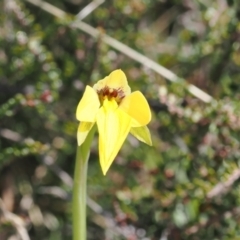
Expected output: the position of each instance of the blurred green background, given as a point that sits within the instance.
(186, 185)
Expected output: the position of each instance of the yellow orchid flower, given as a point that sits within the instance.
(116, 111)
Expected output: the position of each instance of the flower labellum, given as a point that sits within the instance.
(116, 111)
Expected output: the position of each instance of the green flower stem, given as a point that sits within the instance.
(80, 188)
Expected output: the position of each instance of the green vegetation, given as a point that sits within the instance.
(186, 185)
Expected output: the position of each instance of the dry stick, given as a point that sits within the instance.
(224, 187)
(123, 49)
(15, 220)
(89, 9)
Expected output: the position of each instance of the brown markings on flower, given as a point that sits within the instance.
(110, 93)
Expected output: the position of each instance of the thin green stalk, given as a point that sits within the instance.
(80, 188)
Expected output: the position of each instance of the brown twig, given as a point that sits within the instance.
(224, 187)
(15, 220)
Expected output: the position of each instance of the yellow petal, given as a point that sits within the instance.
(136, 106)
(116, 80)
(142, 134)
(113, 126)
(100, 84)
(88, 106)
(83, 130)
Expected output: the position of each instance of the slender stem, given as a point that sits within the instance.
(79, 188)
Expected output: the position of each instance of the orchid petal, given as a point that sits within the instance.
(136, 106)
(88, 106)
(142, 134)
(113, 126)
(83, 130)
(116, 80)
